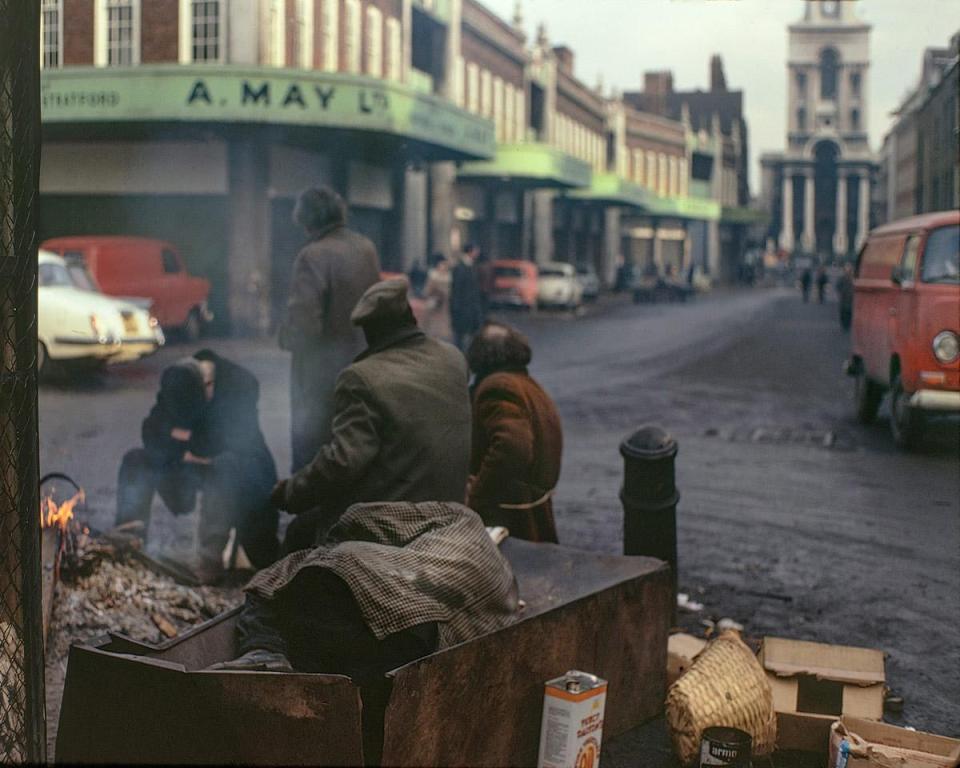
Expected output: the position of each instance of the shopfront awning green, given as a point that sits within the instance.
(613, 190)
(298, 99)
(696, 208)
(739, 215)
(530, 164)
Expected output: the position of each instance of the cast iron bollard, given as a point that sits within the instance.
(649, 496)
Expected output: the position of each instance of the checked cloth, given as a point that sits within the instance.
(409, 564)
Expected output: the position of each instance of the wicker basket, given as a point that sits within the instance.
(725, 685)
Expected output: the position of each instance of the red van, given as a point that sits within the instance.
(141, 266)
(515, 284)
(906, 323)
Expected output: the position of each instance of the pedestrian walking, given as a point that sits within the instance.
(329, 275)
(845, 296)
(466, 310)
(517, 437)
(401, 428)
(806, 280)
(436, 293)
(203, 436)
(483, 267)
(822, 281)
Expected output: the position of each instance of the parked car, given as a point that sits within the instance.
(76, 322)
(514, 284)
(558, 286)
(141, 266)
(906, 326)
(589, 282)
(649, 285)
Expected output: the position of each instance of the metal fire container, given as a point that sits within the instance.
(725, 746)
(572, 725)
(649, 496)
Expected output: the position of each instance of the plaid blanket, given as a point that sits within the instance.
(408, 564)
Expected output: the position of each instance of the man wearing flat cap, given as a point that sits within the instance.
(401, 424)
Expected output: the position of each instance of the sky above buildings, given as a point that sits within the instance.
(622, 39)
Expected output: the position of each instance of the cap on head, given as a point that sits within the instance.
(383, 301)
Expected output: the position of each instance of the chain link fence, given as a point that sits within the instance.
(22, 724)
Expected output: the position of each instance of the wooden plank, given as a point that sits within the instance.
(479, 704)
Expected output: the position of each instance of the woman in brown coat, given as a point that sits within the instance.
(517, 438)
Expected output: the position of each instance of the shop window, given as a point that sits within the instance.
(51, 41)
(829, 67)
(351, 38)
(373, 43)
(122, 19)
(329, 34)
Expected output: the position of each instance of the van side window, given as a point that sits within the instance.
(941, 257)
(171, 263)
(69, 255)
(908, 265)
(880, 257)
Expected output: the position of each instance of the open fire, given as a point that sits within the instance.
(60, 515)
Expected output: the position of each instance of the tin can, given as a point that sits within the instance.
(572, 725)
(725, 746)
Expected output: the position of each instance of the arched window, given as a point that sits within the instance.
(829, 64)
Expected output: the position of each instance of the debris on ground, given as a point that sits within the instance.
(684, 603)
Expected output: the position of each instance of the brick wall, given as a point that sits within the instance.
(77, 32)
(159, 31)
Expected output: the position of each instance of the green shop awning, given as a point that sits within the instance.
(699, 208)
(531, 164)
(612, 189)
(166, 94)
(739, 215)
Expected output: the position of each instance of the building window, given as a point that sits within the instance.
(651, 171)
(473, 87)
(801, 119)
(498, 108)
(329, 34)
(521, 113)
(855, 119)
(662, 180)
(351, 41)
(51, 41)
(829, 65)
(206, 28)
(801, 84)
(486, 93)
(301, 53)
(684, 178)
(395, 56)
(374, 42)
(123, 38)
(855, 84)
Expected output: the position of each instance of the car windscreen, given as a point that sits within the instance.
(507, 272)
(81, 278)
(552, 273)
(941, 257)
(53, 274)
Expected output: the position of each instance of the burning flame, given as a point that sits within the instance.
(51, 514)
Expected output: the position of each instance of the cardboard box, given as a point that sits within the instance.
(682, 649)
(870, 744)
(814, 684)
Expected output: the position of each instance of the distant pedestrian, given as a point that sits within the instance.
(329, 275)
(517, 437)
(845, 296)
(806, 280)
(436, 293)
(203, 436)
(483, 267)
(401, 428)
(466, 310)
(822, 281)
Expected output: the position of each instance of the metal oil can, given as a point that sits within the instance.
(724, 746)
(572, 725)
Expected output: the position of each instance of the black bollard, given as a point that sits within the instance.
(649, 496)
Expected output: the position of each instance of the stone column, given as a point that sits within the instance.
(863, 208)
(786, 231)
(612, 237)
(657, 245)
(443, 177)
(840, 230)
(248, 266)
(809, 236)
(714, 255)
(543, 225)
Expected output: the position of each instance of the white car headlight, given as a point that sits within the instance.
(946, 346)
(98, 328)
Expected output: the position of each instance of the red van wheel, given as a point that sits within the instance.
(868, 395)
(906, 423)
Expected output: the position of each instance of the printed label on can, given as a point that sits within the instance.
(572, 726)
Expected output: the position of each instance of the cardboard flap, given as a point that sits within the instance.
(887, 746)
(842, 663)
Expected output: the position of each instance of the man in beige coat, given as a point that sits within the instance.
(401, 424)
(329, 275)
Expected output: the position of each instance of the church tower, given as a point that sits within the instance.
(824, 176)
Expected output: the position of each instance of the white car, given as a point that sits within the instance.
(76, 322)
(558, 286)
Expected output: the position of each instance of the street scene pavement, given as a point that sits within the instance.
(793, 520)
